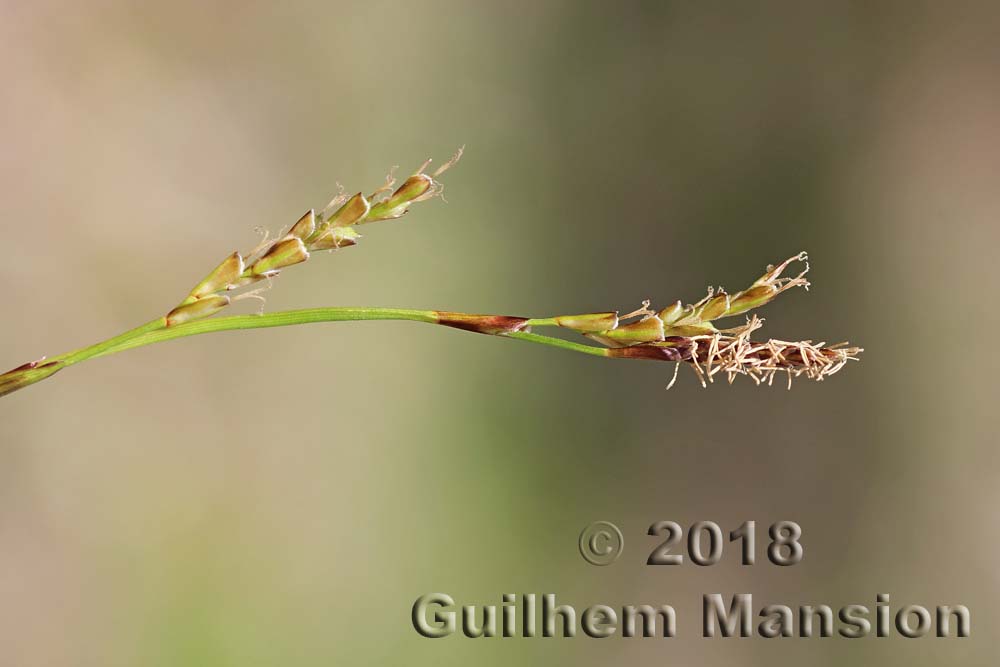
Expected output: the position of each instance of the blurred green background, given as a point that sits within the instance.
(283, 496)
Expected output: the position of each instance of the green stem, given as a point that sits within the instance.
(157, 332)
(558, 342)
(312, 315)
(267, 320)
(542, 322)
(102, 348)
(30, 373)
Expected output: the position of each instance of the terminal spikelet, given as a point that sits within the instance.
(687, 334)
(330, 229)
(735, 353)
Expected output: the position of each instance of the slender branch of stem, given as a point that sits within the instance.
(99, 349)
(264, 321)
(558, 342)
(156, 331)
(312, 315)
(36, 371)
(543, 322)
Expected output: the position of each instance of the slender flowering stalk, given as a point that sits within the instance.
(684, 334)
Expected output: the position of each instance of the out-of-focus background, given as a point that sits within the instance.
(283, 496)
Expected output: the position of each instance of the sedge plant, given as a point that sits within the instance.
(683, 334)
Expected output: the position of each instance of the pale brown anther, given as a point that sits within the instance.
(221, 278)
(305, 226)
(286, 252)
(353, 211)
(672, 313)
(589, 323)
(197, 310)
(415, 188)
(646, 330)
(715, 307)
(335, 237)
